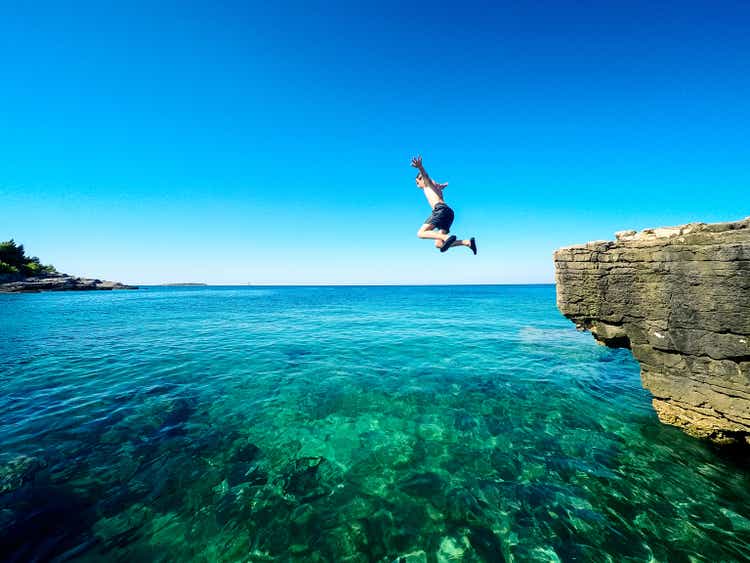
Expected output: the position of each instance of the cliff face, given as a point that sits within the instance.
(679, 298)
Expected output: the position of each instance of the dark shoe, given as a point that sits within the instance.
(447, 243)
(473, 245)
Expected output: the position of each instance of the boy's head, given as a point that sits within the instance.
(420, 181)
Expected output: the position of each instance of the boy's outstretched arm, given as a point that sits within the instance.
(416, 162)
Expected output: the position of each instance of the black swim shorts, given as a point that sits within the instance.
(441, 218)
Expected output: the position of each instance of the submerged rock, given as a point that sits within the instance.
(414, 557)
(426, 485)
(679, 298)
(246, 452)
(486, 544)
(452, 549)
(19, 471)
(302, 480)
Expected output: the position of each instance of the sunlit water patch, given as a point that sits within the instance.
(342, 424)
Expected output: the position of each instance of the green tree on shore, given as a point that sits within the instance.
(13, 260)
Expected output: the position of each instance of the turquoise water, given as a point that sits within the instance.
(342, 424)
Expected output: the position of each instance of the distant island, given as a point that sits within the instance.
(26, 274)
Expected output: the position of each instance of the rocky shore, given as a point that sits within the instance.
(10, 283)
(679, 298)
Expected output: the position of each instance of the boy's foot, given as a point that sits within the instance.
(447, 243)
(473, 245)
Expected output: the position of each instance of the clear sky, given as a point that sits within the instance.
(269, 142)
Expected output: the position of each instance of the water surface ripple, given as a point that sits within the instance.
(342, 424)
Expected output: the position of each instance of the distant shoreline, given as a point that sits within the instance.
(56, 282)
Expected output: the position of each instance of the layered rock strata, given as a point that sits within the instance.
(55, 282)
(679, 298)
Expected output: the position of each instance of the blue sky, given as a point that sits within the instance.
(235, 142)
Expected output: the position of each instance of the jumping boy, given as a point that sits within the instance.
(438, 225)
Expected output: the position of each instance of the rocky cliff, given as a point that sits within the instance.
(679, 298)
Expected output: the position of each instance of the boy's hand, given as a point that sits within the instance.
(416, 162)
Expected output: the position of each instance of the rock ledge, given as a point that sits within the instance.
(55, 282)
(679, 298)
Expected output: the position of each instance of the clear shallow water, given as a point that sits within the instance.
(342, 424)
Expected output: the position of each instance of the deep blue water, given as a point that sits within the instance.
(342, 424)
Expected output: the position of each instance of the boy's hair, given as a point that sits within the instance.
(419, 176)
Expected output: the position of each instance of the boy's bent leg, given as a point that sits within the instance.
(449, 242)
(439, 243)
(428, 231)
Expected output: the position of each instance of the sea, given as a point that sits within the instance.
(435, 424)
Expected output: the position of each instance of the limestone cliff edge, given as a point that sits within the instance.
(679, 298)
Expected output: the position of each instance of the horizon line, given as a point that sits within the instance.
(345, 284)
